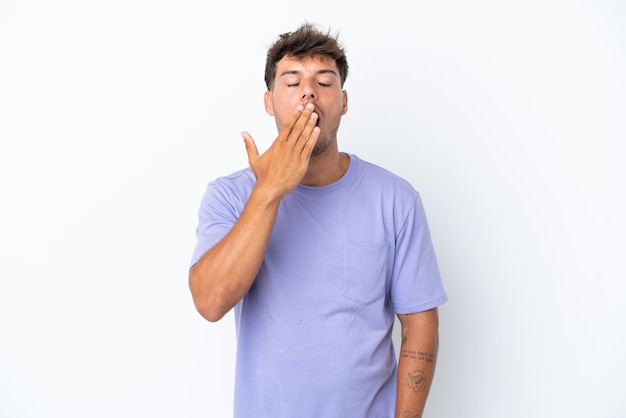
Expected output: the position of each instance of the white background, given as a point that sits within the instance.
(509, 117)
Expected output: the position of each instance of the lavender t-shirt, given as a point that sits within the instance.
(314, 330)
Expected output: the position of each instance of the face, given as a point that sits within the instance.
(309, 80)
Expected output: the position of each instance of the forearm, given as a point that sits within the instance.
(416, 366)
(223, 275)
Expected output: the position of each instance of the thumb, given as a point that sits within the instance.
(251, 148)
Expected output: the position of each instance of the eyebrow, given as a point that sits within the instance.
(295, 72)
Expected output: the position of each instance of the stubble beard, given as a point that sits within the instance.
(325, 141)
(320, 147)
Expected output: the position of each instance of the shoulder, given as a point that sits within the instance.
(377, 176)
(234, 187)
(243, 178)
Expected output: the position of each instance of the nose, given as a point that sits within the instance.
(308, 90)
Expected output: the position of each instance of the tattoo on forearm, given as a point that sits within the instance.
(409, 354)
(417, 381)
(409, 414)
(418, 355)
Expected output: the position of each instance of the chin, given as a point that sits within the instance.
(320, 148)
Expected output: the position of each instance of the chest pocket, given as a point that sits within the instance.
(364, 271)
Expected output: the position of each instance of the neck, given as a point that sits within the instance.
(326, 168)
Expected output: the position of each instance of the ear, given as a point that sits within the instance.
(345, 103)
(269, 103)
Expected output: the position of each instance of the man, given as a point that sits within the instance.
(317, 250)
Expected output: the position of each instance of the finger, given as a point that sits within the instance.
(307, 119)
(310, 142)
(251, 148)
(307, 130)
(287, 127)
(310, 125)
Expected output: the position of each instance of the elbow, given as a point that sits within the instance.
(208, 306)
(209, 311)
(206, 302)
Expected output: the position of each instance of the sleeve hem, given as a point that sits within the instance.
(433, 303)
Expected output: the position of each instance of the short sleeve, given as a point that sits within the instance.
(416, 284)
(220, 208)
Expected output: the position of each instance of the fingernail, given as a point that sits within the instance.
(310, 106)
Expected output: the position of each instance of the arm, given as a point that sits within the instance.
(418, 357)
(223, 275)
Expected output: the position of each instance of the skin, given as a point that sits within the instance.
(418, 358)
(307, 102)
